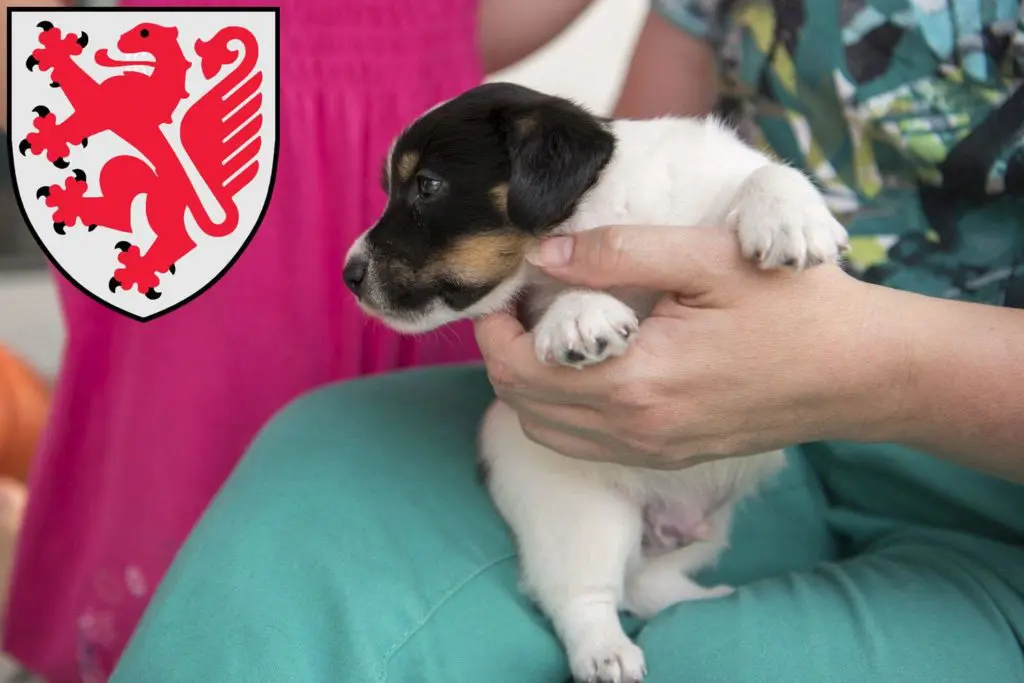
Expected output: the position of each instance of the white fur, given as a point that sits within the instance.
(579, 525)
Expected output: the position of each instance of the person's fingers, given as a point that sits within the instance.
(581, 420)
(510, 357)
(668, 258)
(671, 465)
(514, 369)
(565, 443)
(496, 332)
(598, 448)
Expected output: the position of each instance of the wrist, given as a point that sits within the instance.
(960, 388)
(937, 375)
(876, 386)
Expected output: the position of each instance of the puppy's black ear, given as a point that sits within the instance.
(557, 150)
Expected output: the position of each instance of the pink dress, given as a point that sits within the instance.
(150, 418)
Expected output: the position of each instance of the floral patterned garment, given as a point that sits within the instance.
(908, 113)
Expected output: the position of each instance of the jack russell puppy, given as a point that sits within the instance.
(472, 185)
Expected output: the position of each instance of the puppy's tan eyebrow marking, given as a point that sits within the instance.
(406, 165)
(527, 123)
(499, 197)
(483, 258)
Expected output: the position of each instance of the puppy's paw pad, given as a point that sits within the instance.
(781, 222)
(617, 660)
(584, 328)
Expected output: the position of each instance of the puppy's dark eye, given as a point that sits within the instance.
(428, 186)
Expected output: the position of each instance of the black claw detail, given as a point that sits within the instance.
(24, 147)
(54, 84)
(602, 344)
(113, 284)
(574, 356)
(43, 191)
(91, 227)
(152, 294)
(626, 333)
(79, 175)
(123, 246)
(41, 111)
(31, 62)
(171, 269)
(61, 163)
(83, 39)
(790, 263)
(85, 142)
(45, 25)
(58, 228)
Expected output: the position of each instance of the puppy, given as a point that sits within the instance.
(472, 185)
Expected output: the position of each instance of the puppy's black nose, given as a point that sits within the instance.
(355, 273)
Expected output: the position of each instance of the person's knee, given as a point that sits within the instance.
(707, 641)
(357, 512)
(450, 398)
(913, 609)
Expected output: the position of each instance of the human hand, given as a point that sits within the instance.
(734, 361)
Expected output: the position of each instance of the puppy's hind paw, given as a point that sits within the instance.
(616, 660)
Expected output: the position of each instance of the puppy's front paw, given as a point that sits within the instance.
(607, 658)
(584, 328)
(782, 221)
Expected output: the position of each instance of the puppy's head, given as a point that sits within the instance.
(471, 185)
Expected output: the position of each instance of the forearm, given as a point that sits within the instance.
(509, 30)
(671, 73)
(960, 395)
(4, 4)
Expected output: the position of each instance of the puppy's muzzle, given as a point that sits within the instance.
(354, 273)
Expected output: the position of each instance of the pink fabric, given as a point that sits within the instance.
(150, 418)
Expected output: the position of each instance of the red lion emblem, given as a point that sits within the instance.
(220, 133)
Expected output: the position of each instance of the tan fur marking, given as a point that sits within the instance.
(481, 259)
(499, 197)
(406, 165)
(400, 273)
(527, 123)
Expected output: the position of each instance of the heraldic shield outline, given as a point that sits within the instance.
(143, 144)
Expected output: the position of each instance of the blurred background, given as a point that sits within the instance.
(30, 321)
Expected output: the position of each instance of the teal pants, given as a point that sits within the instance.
(354, 544)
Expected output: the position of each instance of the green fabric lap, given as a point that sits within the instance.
(910, 609)
(354, 544)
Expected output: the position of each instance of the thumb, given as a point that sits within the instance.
(678, 259)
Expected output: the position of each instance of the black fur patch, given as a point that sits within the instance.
(547, 152)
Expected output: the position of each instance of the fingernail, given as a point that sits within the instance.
(553, 252)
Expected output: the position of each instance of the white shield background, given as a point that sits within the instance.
(90, 258)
